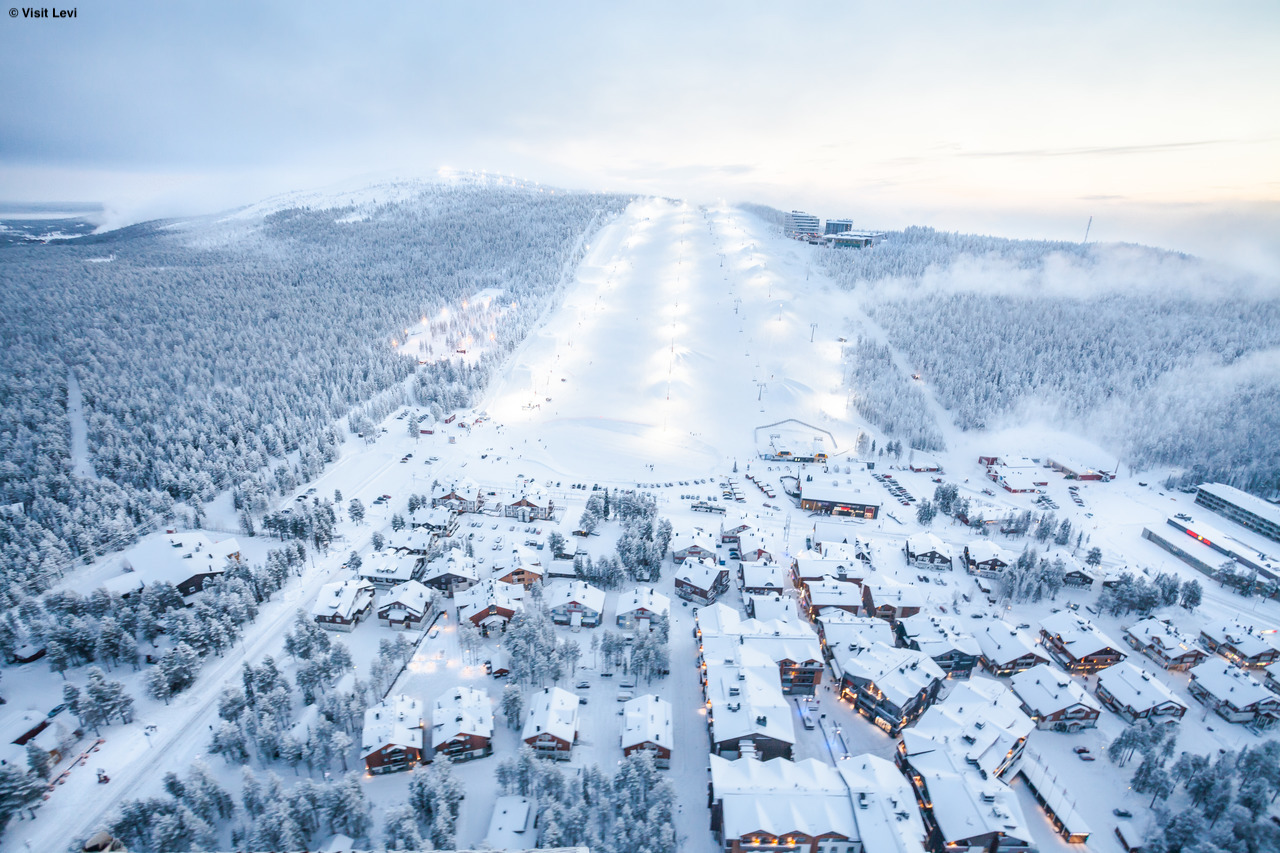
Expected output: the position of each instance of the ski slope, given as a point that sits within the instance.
(678, 337)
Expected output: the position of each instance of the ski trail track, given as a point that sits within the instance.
(684, 329)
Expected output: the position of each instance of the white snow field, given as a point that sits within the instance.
(678, 337)
(683, 331)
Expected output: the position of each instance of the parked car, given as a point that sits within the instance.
(1122, 813)
(583, 685)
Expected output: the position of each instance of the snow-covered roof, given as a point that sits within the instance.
(395, 722)
(923, 543)
(552, 711)
(752, 543)
(843, 629)
(564, 593)
(923, 462)
(1079, 635)
(859, 549)
(764, 576)
(1135, 687)
(781, 796)
(980, 720)
(899, 674)
(511, 826)
(174, 558)
(745, 692)
(465, 488)
(343, 598)
(535, 495)
(461, 711)
(453, 563)
(1001, 643)
(647, 719)
(722, 626)
(718, 618)
(891, 592)
(938, 635)
(643, 597)
(699, 573)
(410, 540)
(1229, 683)
(825, 490)
(430, 516)
(830, 592)
(773, 607)
(1244, 500)
(1248, 639)
(387, 567)
(887, 815)
(812, 564)
(1156, 632)
(409, 596)
(964, 804)
(519, 557)
(704, 539)
(982, 550)
(489, 593)
(1055, 793)
(54, 734)
(1046, 690)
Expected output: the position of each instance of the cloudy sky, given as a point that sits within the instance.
(1159, 120)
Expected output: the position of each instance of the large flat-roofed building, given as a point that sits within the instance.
(1074, 470)
(1199, 543)
(1243, 508)
(807, 806)
(798, 222)
(839, 500)
(837, 226)
(853, 239)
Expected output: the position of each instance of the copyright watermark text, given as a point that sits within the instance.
(45, 13)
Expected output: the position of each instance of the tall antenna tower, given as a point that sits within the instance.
(1086, 230)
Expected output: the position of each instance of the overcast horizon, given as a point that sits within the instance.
(1022, 122)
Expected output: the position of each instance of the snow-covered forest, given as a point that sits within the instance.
(218, 353)
(885, 396)
(1162, 356)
